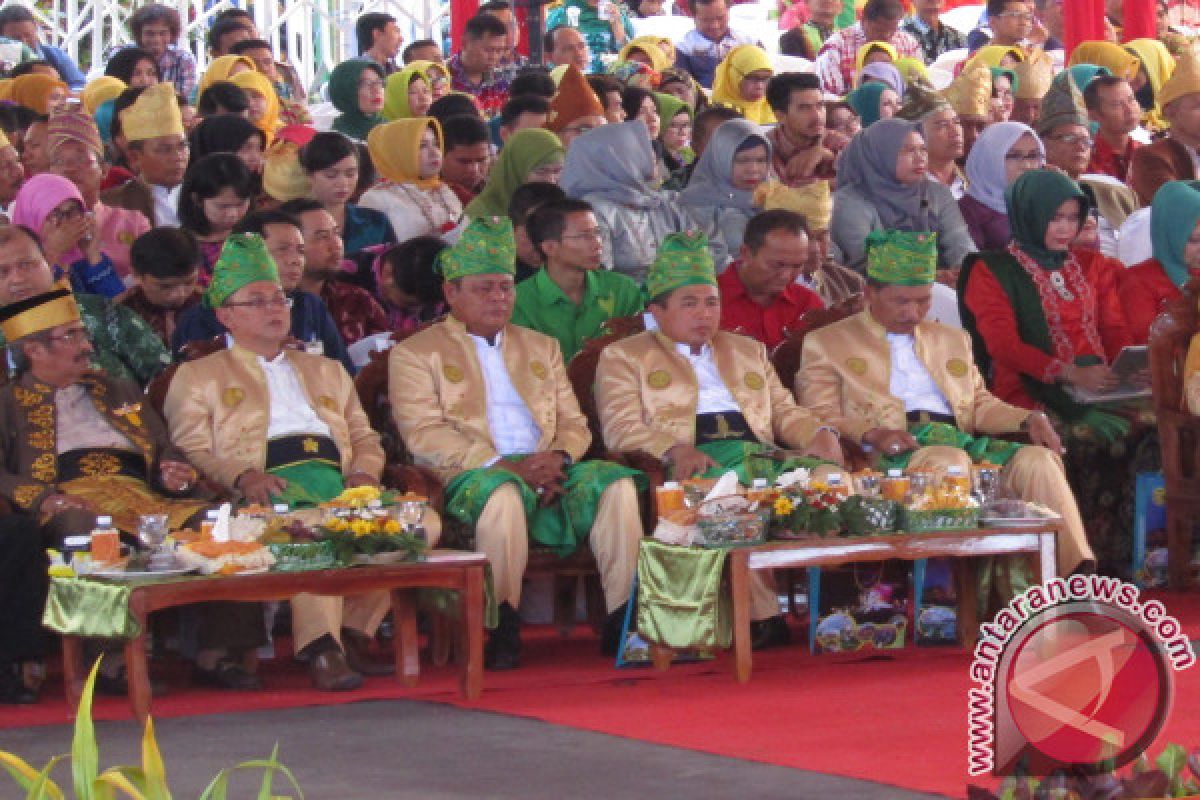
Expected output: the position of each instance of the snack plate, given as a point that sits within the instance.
(122, 575)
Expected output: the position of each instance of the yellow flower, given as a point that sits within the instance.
(783, 506)
(337, 525)
(362, 527)
(391, 527)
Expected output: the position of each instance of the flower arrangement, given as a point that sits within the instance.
(358, 497)
(369, 535)
(807, 507)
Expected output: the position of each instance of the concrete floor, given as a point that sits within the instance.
(407, 749)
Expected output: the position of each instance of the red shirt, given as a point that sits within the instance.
(1145, 289)
(1093, 323)
(1107, 161)
(769, 325)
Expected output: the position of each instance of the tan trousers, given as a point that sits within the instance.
(314, 616)
(501, 533)
(1034, 474)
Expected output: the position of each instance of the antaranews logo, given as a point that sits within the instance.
(1075, 674)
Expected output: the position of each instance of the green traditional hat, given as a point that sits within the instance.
(902, 258)
(683, 259)
(1061, 105)
(244, 260)
(486, 247)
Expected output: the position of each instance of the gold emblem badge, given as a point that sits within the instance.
(452, 373)
(25, 495)
(538, 369)
(754, 381)
(956, 367)
(310, 445)
(856, 365)
(97, 464)
(232, 396)
(130, 411)
(659, 379)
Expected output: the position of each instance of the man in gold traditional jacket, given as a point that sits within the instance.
(488, 405)
(701, 398)
(909, 390)
(281, 425)
(76, 443)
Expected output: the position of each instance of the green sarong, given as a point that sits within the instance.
(310, 483)
(930, 434)
(751, 460)
(562, 525)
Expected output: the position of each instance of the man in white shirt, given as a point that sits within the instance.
(158, 155)
(282, 425)
(706, 45)
(487, 405)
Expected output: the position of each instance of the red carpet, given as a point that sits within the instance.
(899, 720)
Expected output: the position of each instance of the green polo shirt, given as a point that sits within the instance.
(543, 307)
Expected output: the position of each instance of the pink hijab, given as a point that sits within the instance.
(37, 197)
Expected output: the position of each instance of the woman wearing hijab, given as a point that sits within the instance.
(886, 74)
(530, 154)
(719, 196)
(39, 92)
(1116, 59)
(1175, 233)
(1004, 88)
(873, 101)
(741, 82)
(356, 90)
(224, 68)
(1046, 318)
(883, 185)
(229, 133)
(649, 50)
(407, 154)
(99, 91)
(872, 54)
(1003, 152)
(1157, 66)
(995, 55)
(52, 207)
(408, 93)
(613, 168)
(674, 136)
(264, 102)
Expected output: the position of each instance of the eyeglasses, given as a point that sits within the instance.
(370, 85)
(1023, 16)
(263, 303)
(58, 217)
(1073, 139)
(595, 235)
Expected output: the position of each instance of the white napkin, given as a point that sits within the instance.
(727, 485)
(220, 531)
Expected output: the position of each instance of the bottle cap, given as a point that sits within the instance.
(954, 469)
(671, 485)
(280, 508)
(834, 478)
(212, 514)
(76, 542)
(760, 483)
(895, 473)
(103, 522)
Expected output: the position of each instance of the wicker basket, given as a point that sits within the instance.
(732, 528)
(302, 556)
(946, 519)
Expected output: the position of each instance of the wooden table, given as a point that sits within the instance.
(1039, 540)
(443, 569)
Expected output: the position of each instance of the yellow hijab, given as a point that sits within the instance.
(655, 48)
(1116, 59)
(100, 90)
(395, 97)
(257, 82)
(1160, 66)
(861, 57)
(395, 149)
(219, 70)
(741, 61)
(992, 54)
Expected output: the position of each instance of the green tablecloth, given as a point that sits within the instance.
(680, 603)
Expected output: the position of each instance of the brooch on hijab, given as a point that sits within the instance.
(1059, 282)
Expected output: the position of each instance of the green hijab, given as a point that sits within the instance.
(525, 151)
(1032, 201)
(865, 101)
(669, 106)
(1005, 72)
(1174, 214)
(343, 93)
(395, 102)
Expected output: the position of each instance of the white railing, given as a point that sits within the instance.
(316, 35)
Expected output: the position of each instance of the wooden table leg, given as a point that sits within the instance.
(739, 581)
(404, 610)
(1048, 556)
(72, 655)
(661, 657)
(138, 674)
(471, 660)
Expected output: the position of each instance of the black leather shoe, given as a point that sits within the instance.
(769, 632)
(503, 648)
(610, 637)
(357, 647)
(226, 675)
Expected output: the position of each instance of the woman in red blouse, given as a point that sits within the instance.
(1175, 232)
(1044, 317)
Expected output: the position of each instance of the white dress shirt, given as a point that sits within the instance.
(513, 430)
(166, 205)
(81, 426)
(911, 381)
(291, 413)
(714, 396)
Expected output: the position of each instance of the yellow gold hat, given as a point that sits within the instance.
(283, 177)
(39, 313)
(155, 113)
(813, 201)
(1033, 76)
(1185, 79)
(970, 94)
